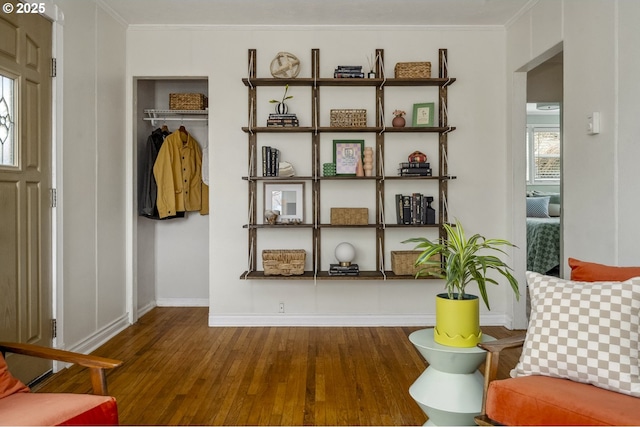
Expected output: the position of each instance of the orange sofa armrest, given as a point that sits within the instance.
(96, 364)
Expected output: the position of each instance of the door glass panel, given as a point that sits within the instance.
(7, 120)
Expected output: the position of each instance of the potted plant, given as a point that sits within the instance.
(281, 107)
(460, 261)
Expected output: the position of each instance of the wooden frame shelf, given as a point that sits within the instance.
(315, 130)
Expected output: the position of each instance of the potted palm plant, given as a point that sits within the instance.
(460, 261)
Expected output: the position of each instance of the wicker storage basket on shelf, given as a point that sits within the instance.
(349, 216)
(283, 262)
(348, 118)
(403, 262)
(413, 70)
(187, 101)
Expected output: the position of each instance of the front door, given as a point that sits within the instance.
(25, 185)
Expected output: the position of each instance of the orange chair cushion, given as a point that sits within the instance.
(539, 400)
(8, 383)
(51, 409)
(591, 272)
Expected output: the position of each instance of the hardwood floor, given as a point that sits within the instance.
(179, 371)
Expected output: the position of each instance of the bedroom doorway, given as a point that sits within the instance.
(544, 167)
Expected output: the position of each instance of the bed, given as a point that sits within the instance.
(543, 244)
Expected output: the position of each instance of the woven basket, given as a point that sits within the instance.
(403, 262)
(413, 70)
(283, 262)
(348, 118)
(187, 101)
(349, 216)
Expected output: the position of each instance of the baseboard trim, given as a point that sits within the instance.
(233, 320)
(101, 336)
(182, 302)
(147, 308)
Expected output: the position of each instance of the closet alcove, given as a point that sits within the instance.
(172, 255)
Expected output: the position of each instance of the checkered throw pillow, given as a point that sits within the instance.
(586, 332)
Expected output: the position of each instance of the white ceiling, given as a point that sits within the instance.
(317, 12)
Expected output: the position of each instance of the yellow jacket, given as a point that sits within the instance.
(178, 173)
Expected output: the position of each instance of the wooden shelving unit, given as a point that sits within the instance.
(315, 83)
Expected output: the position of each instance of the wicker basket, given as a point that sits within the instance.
(413, 70)
(283, 262)
(187, 101)
(349, 216)
(348, 118)
(403, 262)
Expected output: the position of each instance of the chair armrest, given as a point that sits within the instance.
(493, 349)
(96, 364)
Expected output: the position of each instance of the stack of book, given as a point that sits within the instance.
(344, 270)
(348, 71)
(415, 209)
(414, 169)
(270, 161)
(282, 120)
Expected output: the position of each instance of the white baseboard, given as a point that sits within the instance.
(339, 320)
(182, 302)
(147, 308)
(101, 336)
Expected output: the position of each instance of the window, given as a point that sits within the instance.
(543, 154)
(7, 119)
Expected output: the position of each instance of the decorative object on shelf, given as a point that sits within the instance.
(345, 253)
(283, 262)
(286, 198)
(286, 169)
(271, 216)
(329, 169)
(349, 216)
(458, 313)
(281, 106)
(285, 66)
(359, 168)
(372, 62)
(423, 114)
(348, 72)
(187, 101)
(417, 157)
(346, 154)
(398, 119)
(368, 161)
(349, 118)
(413, 70)
(403, 263)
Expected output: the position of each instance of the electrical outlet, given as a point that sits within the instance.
(281, 308)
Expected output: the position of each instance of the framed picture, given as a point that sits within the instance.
(346, 154)
(287, 198)
(423, 114)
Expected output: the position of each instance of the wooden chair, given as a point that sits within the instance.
(18, 406)
(493, 349)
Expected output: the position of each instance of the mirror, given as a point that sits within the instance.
(286, 198)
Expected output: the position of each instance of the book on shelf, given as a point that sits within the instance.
(405, 165)
(415, 172)
(270, 161)
(415, 209)
(344, 270)
(348, 71)
(282, 120)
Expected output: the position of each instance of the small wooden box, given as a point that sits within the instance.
(413, 70)
(348, 118)
(283, 262)
(403, 262)
(349, 216)
(187, 101)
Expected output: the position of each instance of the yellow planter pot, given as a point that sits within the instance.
(457, 321)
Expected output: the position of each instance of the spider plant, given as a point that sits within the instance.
(461, 262)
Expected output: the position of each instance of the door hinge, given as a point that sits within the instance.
(54, 198)
(54, 328)
(54, 67)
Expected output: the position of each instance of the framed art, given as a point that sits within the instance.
(286, 198)
(346, 154)
(423, 114)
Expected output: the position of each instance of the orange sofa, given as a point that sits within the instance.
(19, 406)
(580, 357)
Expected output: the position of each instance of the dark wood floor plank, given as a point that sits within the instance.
(179, 371)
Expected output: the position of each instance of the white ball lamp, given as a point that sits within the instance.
(345, 253)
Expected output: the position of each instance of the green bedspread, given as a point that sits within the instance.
(543, 244)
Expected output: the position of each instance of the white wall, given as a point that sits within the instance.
(599, 39)
(476, 155)
(92, 300)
